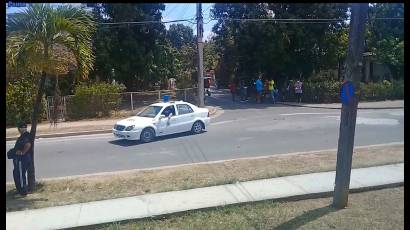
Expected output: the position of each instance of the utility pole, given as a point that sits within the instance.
(349, 110)
(200, 29)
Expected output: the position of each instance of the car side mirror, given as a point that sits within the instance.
(162, 116)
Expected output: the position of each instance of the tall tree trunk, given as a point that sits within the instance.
(34, 118)
(40, 91)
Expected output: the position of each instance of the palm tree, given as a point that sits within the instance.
(34, 39)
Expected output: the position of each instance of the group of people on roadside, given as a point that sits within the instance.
(263, 89)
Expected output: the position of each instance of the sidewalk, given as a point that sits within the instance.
(301, 186)
(73, 128)
(396, 104)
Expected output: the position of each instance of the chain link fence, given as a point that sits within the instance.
(77, 107)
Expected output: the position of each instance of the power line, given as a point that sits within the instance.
(281, 19)
(277, 20)
(294, 20)
(144, 22)
(297, 19)
(210, 20)
(388, 18)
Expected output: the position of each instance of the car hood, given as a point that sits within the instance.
(137, 121)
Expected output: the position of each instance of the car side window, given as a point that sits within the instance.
(168, 110)
(184, 109)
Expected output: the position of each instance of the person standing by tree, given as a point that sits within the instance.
(298, 91)
(22, 159)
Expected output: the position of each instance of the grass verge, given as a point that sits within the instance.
(139, 182)
(378, 209)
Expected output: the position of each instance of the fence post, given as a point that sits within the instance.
(132, 104)
(185, 95)
(159, 95)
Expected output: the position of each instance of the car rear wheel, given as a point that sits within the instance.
(147, 135)
(197, 127)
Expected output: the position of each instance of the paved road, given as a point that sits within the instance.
(242, 130)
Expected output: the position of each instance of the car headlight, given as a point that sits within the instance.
(129, 128)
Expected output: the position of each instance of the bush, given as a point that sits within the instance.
(20, 99)
(94, 100)
(184, 82)
(328, 91)
(321, 90)
(382, 90)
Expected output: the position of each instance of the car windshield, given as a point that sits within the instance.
(150, 111)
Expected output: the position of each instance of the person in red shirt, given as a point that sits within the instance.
(232, 88)
(207, 85)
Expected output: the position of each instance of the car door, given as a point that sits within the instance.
(186, 117)
(168, 125)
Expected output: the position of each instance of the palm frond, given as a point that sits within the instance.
(61, 32)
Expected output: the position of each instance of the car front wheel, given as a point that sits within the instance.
(147, 135)
(197, 127)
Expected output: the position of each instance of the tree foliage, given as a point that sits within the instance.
(182, 40)
(141, 55)
(276, 49)
(20, 97)
(385, 38)
(137, 55)
(211, 57)
(50, 40)
(179, 35)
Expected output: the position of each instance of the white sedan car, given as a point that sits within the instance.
(161, 119)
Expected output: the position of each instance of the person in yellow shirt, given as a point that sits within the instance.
(271, 86)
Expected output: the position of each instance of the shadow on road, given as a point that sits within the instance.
(126, 143)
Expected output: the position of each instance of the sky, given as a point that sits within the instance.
(173, 11)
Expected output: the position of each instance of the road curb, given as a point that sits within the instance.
(65, 134)
(211, 113)
(322, 107)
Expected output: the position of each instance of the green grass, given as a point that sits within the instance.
(379, 209)
(134, 183)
